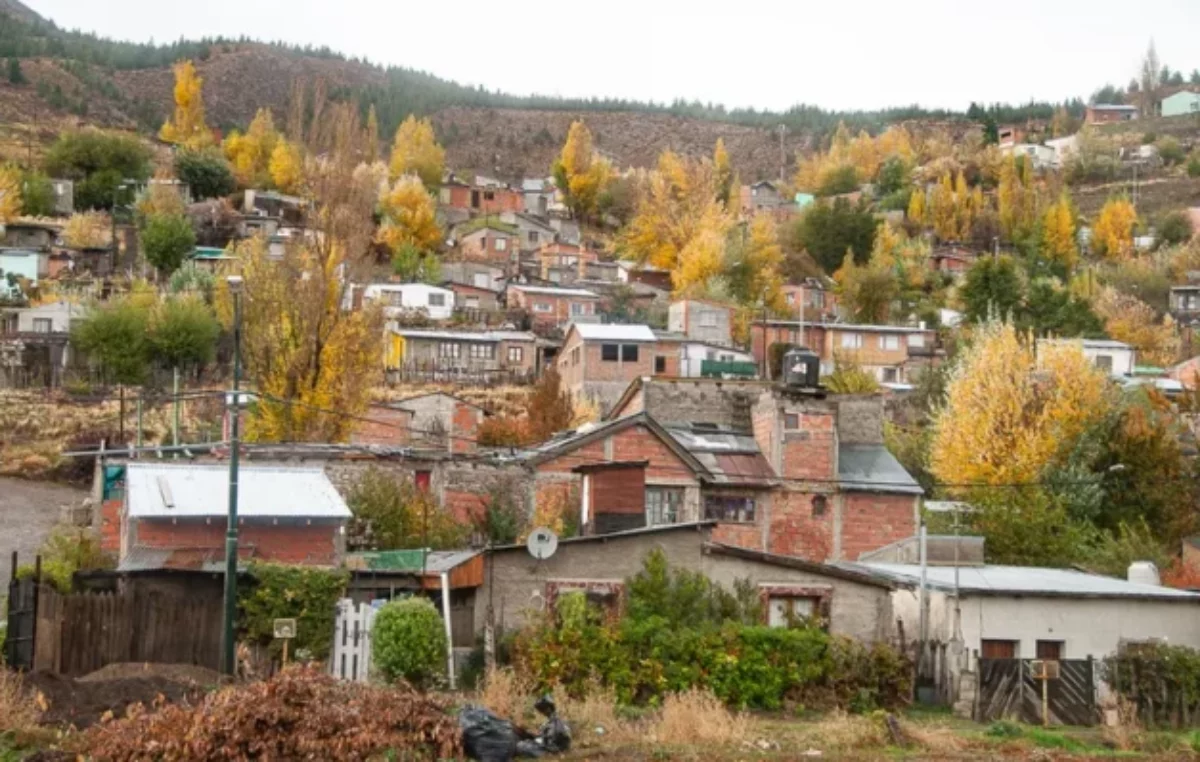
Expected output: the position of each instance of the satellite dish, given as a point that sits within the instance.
(542, 543)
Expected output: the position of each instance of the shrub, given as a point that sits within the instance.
(844, 179)
(1193, 166)
(184, 332)
(166, 240)
(392, 514)
(1159, 681)
(308, 594)
(1175, 227)
(1170, 151)
(65, 552)
(408, 642)
(206, 172)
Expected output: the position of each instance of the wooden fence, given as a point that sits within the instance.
(351, 655)
(80, 633)
(435, 373)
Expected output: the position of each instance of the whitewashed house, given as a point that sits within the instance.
(399, 299)
(1115, 357)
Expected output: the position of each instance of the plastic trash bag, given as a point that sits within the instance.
(489, 738)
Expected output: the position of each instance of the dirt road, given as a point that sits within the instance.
(28, 511)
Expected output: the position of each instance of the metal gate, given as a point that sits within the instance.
(21, 635)
(1008, 691)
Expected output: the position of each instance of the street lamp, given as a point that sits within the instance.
(228, 642)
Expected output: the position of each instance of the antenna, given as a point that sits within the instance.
(542, 543)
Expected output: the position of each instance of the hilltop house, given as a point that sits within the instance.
(1116, 358)
(1108, 113)
(401, 299)
(475, 351)
(489, 240)
(598, 362)
(550, 307)
(1181, 103)
(893, 354)
(701, 320)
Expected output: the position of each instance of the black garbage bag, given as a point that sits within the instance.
(486, 737)
(554, 735)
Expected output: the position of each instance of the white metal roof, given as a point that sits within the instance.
(480, 336)
(1090, 343)
(614, 332)
(550, 291)
(1027, 580)
(159, 490)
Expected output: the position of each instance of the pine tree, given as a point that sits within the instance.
(15, 75)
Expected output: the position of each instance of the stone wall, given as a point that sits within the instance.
(860, 419)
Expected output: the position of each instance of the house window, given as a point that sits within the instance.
(1050, 649)
(891, 342)
(663, 505)
(729, 508)
(482, 351)
(820, 504)
(472, 302)
(791, 298)
(395, 298)
(543, 307)
(489, 195)
(578, 308)
(708, 319)
(890, 375)
(791, 421)
(422, 480)
(501, 244)
(481, 280)
(916, 340)
(786, 610)
(516, 354)
(660, 364)
(998, 649)
(449, 350)
(42, 325)
(852, 341)
(610, 352)
(437, 300)
(1103, 362)
(533, 236)
(629, 352)
(575, 353)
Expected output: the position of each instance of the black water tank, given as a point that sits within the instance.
(801, 368)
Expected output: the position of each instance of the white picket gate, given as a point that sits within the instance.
(351, 658)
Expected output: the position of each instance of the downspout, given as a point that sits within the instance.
(449, 633)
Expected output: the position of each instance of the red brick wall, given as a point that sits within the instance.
(285, 544)
(464, 427)
(809, 452)
(739, 535)
(870, 521)
(637, 443)
(795, 531)
(110, 525)
(464, 506)
(388, 426)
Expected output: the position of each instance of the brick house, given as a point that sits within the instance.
(894, 354)
(434, 421)
(598, 362)
(952, 259)
(532, 232)
(812, 299)
(489, 241)
(468, 297)
(551, 307)
(485, 197)
(1108, 113)
(285, 515)
(560, 256)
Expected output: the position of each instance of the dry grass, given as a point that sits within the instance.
(506, 693)
(839, 732)
(594, 717)
(18, 710)
(501, 400)
(941, 739)
(698, 717)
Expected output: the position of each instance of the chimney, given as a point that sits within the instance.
(1143, 573)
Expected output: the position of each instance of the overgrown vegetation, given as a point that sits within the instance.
(393, 514)
(309, 594)
(680, 631)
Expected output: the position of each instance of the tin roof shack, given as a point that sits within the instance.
(29, 234)
(1022, 612)
(288, 515)
(856, 605)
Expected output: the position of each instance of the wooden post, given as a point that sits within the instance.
(1045, 702)
(285, 652)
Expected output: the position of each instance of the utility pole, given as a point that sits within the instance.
(229, 637)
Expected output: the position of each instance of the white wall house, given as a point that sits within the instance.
(1029, 612)
(399, 298)
(1043, 157)
(1115, 357)
(692, 355)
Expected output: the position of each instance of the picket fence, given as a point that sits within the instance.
(351, 657)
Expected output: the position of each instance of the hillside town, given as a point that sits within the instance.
(890, 449)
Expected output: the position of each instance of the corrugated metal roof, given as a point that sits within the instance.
(730, 456)
(412, 561)
(1025, 580)
(481, 336)
(192, 490)
(614, 332)
(141, 558)
(551, 291)
(871, 468)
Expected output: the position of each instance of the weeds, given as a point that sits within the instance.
(696, 716)
(18, 711)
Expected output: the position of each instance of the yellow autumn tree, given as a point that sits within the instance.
(580, 173)
(286, 167)
(964, 208)
(1129, 319)
(409, 216)
(372, 136)
(763, 262)
(1058, 233)
(916, 207)
(1010, 410)
(87, 230)
(415, 150)
(305, 353)
(942, 210)
(1016, 199)
(679, 224)
(250, 153)
(10, 194)
(1112, 235)
(727, 190)
(186, 127)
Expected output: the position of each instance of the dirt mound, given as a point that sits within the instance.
(84, 703)
(180, 673)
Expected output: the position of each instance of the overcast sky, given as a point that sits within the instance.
(766, 54)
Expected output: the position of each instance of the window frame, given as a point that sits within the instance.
(436, 299)
(501, 243)
(663, 503)
(660, 364)
(889, 342)
(851, 340)
(629, 353)
(43, 325)
(516, 354)
(477, 351)
(449, 350)
(543, 307)
(610, 353)
(727, 512)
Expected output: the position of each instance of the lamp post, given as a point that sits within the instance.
(229, 639)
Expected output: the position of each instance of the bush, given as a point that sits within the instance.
(99, 162)
(308, 594)
(1170, 151)
(206, 172)
(166, 240)
(1175, 227)
(844, 179)
(408, 642)
(184, 332)
(65, 552)
(1193, 167)
(393, 514)
(1159, 680)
